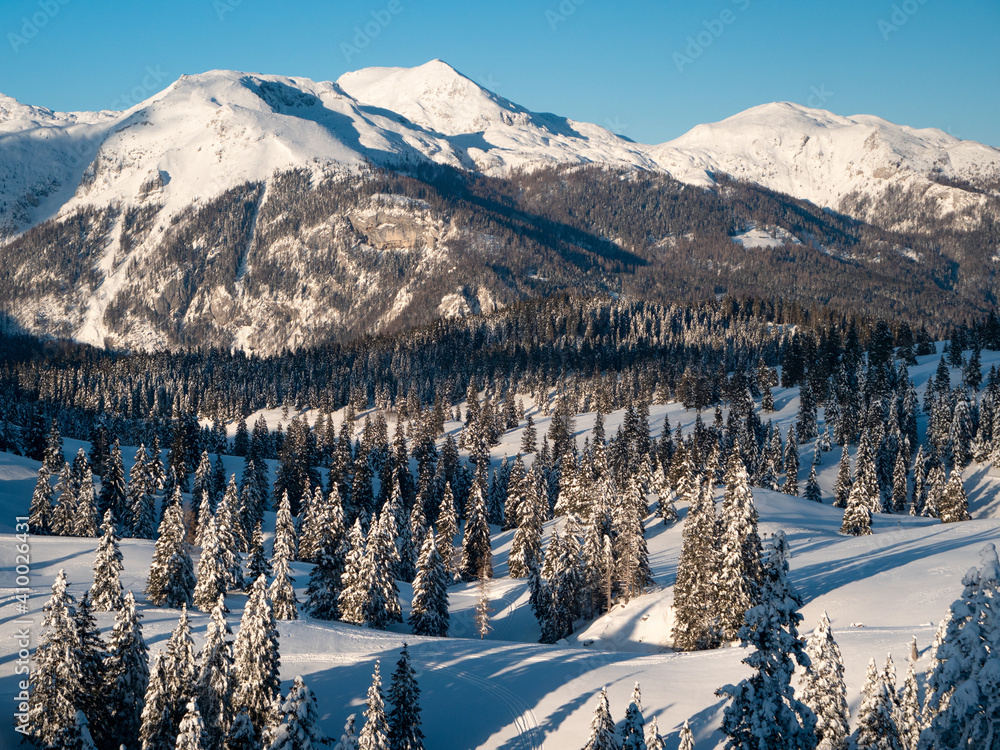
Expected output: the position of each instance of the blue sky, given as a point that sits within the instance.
(649, 70)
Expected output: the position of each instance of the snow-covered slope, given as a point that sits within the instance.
(822, 157)
(506, 691)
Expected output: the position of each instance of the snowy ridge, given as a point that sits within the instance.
(211, 131)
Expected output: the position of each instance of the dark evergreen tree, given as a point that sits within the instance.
(40, 511)
(298, 721)
(255, 658)
(113, 494)
(214, 683)
(739, 563)
(429, 609)
(696, 617)
(126, 677)
(877, 729)
(404, 694)
(477, 553)
(106, 591)
(171, 574)
(763, 713)
(375, 733)
(602, 727)
(824, 690)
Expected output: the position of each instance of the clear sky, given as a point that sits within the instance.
(648, 70)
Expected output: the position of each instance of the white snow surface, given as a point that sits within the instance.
(507, 691)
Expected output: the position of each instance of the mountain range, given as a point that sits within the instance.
(262, 212)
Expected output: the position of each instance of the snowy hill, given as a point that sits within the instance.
(879, 590)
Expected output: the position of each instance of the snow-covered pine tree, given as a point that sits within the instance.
(53, 456)
(483, 609)
(526, 545)
(214, 683)
(845, 479)
(171, 574)
(180, 667)
(405, 732)
(477, 554)
(323, 591)
(255, 658)
(113, 496)
(91, 658)
(230, 536)
(696, 595)
(375, 733)
(282, 592)
(447, 530)
(284, 531)
(791, 485)
(157, 731)
(857, 515)
(140, 520)
(40, 510)
(106, 591)
(962, 705)
(56, 679)
(257, 563)
(602, 727)
(900, 475)
(202, 519)
(653, 739)
(355, 583)
(298, 721)
(429, 609)
(126, 677)
(241, 734)
(85, 513)
(191, 732)
(631, 553)
(739, 562)
(909, 713)
(954, 504)
(812, 491)
(212, 577)
(686, 738)
(763, 713)
(823, 689)
(634, 727)
(876, 729)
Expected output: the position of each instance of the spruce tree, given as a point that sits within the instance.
(349, 738)
(954, 504)
(126, 676)
(284, 531)
(157, 732)
(258, 564)
(763, 713)
(323, 591)
(823, 688)
(255, 658)
(171, 574)
(634, 727)
(857, 515)
(483, 609)
(696, 594)
(526, 545)
(180, 667)
(380, 605)
(241, 734)
(53, 456)
(298, 721)
(686, 738)
(375, 733)
(191, 732)
(739, 562)
(791, 485)
(429, 609)
(214, 683)
(140, 520)
(113, 495)
(631, 553)
(602, 726)
(909, 716)
(812, 491)
(40, 510)
(404, 695)
(876, 728)
(230, 536)
(282, 592)
(962, 704)
(354, 583)
(845, 480)
(447, 530)
(477, 553)
(653, 739)
(57, 676)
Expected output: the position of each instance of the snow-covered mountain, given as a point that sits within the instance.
(172, 219)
